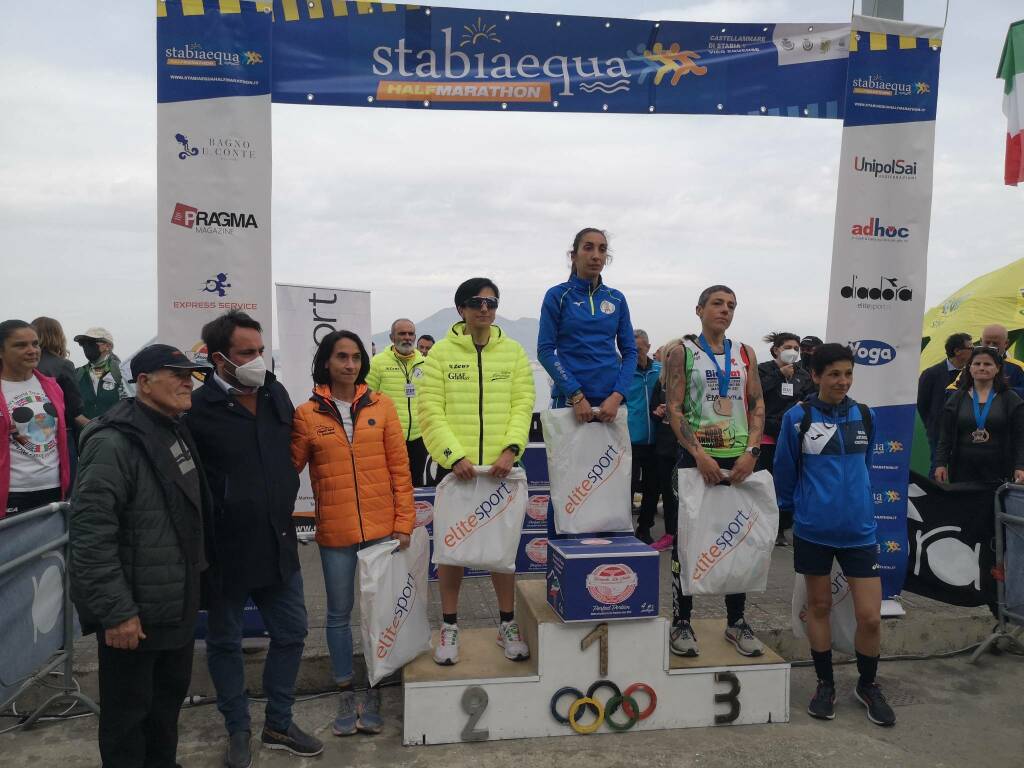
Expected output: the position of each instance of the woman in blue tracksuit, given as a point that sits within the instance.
(821, 476)
(586, 339)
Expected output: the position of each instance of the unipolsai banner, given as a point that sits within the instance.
(880, 250)
(213, 166)
(305, 315)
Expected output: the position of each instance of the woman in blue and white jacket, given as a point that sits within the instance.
(586, 339)
(821, 475)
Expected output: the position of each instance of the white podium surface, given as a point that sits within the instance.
(487, 697)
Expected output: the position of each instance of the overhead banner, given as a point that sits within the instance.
(213, 167)
(880, 250)
(305, 314)
(388, 55)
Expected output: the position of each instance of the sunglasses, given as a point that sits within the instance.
(479, 302)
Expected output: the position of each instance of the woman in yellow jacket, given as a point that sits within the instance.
(353, 442)
(475, 403)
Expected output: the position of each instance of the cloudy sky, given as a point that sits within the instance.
(408, 203)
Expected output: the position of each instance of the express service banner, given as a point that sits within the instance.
(388, 55)
(305, 315)
(880, 250)
(213, 166)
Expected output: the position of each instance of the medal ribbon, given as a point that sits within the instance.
(723, 376)
(980, 414)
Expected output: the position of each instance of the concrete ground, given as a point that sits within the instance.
(949, 713)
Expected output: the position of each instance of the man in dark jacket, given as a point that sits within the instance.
(137, 551)
(242, 420)
(934, 382)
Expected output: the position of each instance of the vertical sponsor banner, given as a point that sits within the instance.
(213, 165)
(305, 314)
(879, 256)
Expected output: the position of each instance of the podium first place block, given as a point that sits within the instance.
(487, 697)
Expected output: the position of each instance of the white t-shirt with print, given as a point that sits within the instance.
(35, 465)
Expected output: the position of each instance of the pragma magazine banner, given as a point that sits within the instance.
(388, 55)
(880, 250)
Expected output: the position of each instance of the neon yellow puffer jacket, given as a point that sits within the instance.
(473, 405)
(390, 374)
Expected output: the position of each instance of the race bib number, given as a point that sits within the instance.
(787, 389)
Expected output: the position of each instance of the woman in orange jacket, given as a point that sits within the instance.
(354, 445)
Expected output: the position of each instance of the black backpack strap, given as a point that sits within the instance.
(865, 417)
(805, 423)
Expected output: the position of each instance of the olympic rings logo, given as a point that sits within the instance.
(603, 713)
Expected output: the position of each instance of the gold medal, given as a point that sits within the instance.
(723, 406)
(980, 436)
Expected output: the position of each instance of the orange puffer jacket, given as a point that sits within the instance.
(363, 488)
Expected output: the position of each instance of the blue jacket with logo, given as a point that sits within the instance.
(583, 331)
(825, 481)
(638, 401)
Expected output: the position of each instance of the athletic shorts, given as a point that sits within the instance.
(813, 559)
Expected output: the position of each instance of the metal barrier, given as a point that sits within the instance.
(65, 656)
(1012, 517)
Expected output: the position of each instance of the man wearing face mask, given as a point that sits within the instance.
(241, 420)
(100, 381)
(397, 372)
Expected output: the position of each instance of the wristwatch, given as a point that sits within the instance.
(514, 448)
(754, 451)
(575, 397)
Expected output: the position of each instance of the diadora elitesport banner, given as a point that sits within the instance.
(879, 255)
(388, 55)
(213, 167)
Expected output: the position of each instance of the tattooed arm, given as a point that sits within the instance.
(755, 403)
(675, 399)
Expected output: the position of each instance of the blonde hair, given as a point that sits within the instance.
(51, 336)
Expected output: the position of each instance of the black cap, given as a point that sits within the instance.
(811, 341)
(157, 356)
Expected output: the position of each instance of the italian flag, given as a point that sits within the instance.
(1011, 69)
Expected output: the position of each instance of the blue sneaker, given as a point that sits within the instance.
(369, 713)
(345, 719)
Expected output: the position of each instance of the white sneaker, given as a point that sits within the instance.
(447, 651)
(511, 639)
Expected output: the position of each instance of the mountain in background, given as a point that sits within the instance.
(524, 330)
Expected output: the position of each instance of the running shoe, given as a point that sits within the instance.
(823, 704)
(511, 639)
(370, 720)
(665, 542)
(447, 651)
(780, 540)
(741, 636)
(683, 641)
(879, 711)
(345, 718)
(295, 740)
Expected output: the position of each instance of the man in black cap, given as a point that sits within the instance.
(137, 534)
(808, 346)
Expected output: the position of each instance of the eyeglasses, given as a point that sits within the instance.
(479, 302)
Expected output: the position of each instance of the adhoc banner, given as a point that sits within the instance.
(389, 55)
(880, 249)
(305, 314)
(213, 166)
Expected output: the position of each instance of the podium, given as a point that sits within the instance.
(486, 697)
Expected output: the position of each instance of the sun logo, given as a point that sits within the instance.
(923, 88)
(251, 57)
(892, 546)
(892, 496)
(895, 446)
(479, 31)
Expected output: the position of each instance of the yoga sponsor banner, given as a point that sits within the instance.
(305, 314)
(389, 55)
(213, 167)
(880, 249)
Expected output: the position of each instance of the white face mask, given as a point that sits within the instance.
(789, 356)
(251, 374)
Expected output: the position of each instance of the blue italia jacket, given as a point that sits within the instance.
(583, 332)
(638, 400)
(825, 480)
